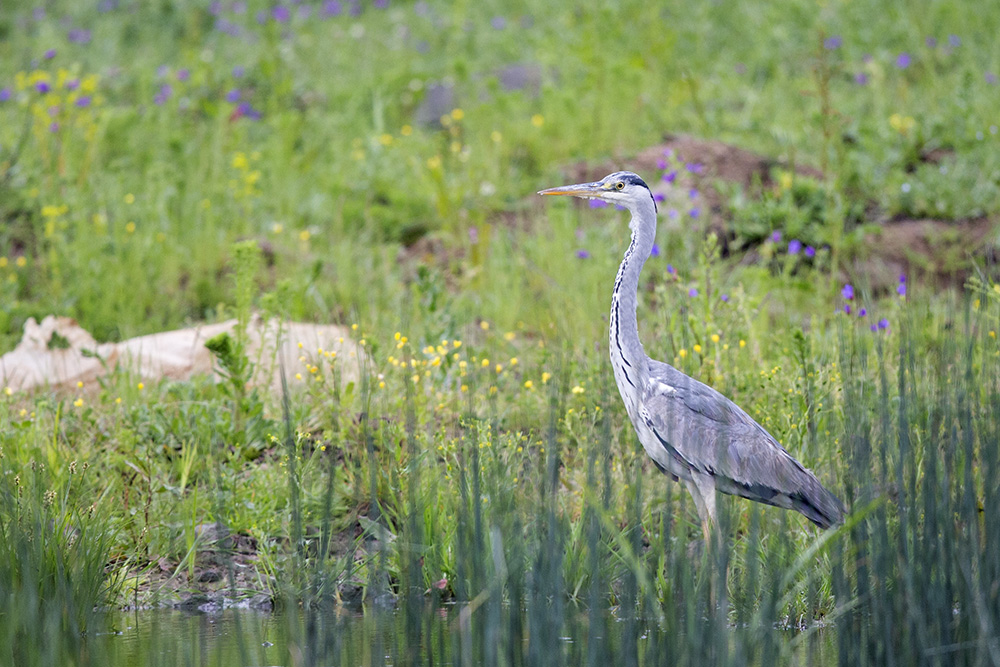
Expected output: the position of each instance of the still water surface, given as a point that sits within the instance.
(438, 637)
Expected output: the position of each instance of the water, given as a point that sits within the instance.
(448, 636)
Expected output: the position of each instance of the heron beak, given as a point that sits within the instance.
(588, 190)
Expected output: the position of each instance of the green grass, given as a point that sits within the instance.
(484, 443)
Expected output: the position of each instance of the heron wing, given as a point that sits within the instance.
(715, 436)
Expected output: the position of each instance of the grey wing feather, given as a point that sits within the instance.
(715, 436)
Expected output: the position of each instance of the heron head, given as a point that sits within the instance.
(622, 187)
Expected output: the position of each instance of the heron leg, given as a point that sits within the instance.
(702, 488)
(706, 513)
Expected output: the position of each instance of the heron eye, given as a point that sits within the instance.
(619, 185)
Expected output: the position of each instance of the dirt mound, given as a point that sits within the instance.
(943, 250)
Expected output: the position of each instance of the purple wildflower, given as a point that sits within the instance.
(239, 7)
(233, 96)
(903, 60)
(43, 87)
(183, 74)
(473, 235)
(53, 111)
(582, 254)
(794, 246)
(670, 269)
(991, 78)
(332, 8)
(670, 177)
(883, 323)
(261, 17)
(244, 110)
(776, 236)
(810, 251)
(873, 327)
(38, 13)
(693, 193)
(163, 95)
(672, 214)
(901, 289)
(725, 298)
(847, 309)
(655, 251)
(832, 43)
(54, 127)
(239, 71)
(695, 167)
(861, 79)
(931, 43)
(661, 164)
(692, 292)
(498, 23)
(659, 198)
(862, 312)
(281, 14)
(83, 101)
(694, 212)
(954, 41)
(5, 94)
(227, 27)
(78, 36)
(380, 4)
(72, 84)
(597, 203)
(50, 54)
(847, 292)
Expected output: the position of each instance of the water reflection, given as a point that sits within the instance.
(445, 635)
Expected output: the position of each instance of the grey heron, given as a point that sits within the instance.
(690, 430)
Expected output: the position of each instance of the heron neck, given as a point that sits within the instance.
(627, 355)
